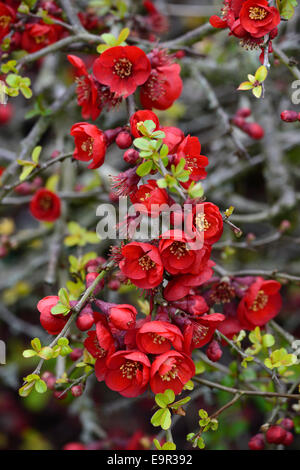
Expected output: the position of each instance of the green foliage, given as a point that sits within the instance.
(255, 82)
(279, 358)
(27, 165)
(79, 236)
(111, 41)
(32, 381)
(17, 84)
(286, 8)
(165, 446)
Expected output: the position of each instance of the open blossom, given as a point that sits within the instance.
(181, 285)
(190, 149)
(53, 324)
(122, 69)
(140, 117)
(200, 330)
(86, 89)
(39, 35)
(171, 370)
(90, 144)
(45, 205)
(149, 197)
(260, 304)
(162, 88)
(249, 20)
(127, 372)
(142, 264)
(7, 17)
(176, 256)
(100, 342)
(173, 137)
(206, 219)
(157, 337)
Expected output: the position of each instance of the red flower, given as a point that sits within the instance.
(230, 327)
(90, 144)
(122, 69)
(151, 197)
(142, 116)
(176, 256)
(141, 263)
(86, 90)
(180, 286)
(261, 303)
(157, 337)
(190, 149)
(39, 35)
(258, 18)
(6, 112)
(193, 304)
(128, 373)
(171, 370)
(200, 331)
(45, 205)
(100, 342)
(53, 324)
(173, 138)
(205, 219)
(123, 316)
(7, 16)
(162, 88)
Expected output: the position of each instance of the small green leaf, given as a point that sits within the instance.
(145, 168)
(261, 74)
(257, 91)
(29, 353)
(40, 386)
(36, 344)
(245, 86)
(36, 154)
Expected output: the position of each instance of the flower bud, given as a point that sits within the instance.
(131, 156)
(243, 112)
(123, 140)
(257, 442)
(90, 277)
(77, 390)
(214, 351)
(288, 440)
(254, 130)
(289, 116)
(76, 354)
(287, 424)
(276, 435)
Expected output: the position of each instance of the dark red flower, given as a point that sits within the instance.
(205, 220)
(123, 316)
(39, 35)
(261, 303)
(171, 370)
(157, 337)
(190, 149)
(53, 324)
(176, 255)
(7, 16)
(6, 112)
(45, 205)
(149, 197)
(100, 342)
(122, 69)
(193, 304)
(142, 264)
(128, 373)
(90, 144)
(162, 88)
(86, 90)
(200, 330)
(139, 117)
(230, 327)
(258, 18)
(125, 183)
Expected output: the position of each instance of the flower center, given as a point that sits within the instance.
(172, 374)
(83, 88)
(122, 67)
(130, 368)
(199, 332)
(222, 293)
(45, 203)
(191, 163)
(87, 146)
(40, 39)
(257, 13)
(201, 222)
(154, 87)
(146, 196)
(4, 21)
(157, 339)
(146, 263)
(178, 249)
(260, 301)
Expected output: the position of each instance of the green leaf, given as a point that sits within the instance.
(60, 309)
(63, 342)
(261, 74)
(64, 297)
(169, 446)
(46, 353)
(195, 191)
(257, 91)
(200, 443)
(109, 39)
(36, 154)
(142, 143)
(29, 353)
(40, 386)
(26, 389)
(26, 172)
(203, 414)
(161, 400)
(13, 80)
(36, 344)
(145, 168)
(161, 183)
(245, 86)
(156, 418)
(157, 444)
(268, 341)
(170, 395)
(26, 91)
(286, 8)
(123, 35)
(165, 421)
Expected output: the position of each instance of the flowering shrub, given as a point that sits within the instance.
(160, 315)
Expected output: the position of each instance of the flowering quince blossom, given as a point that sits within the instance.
(142, 264)
(53, 324)
(157, 337)
(200, 330)
(171, 370)
(126, 372)
(206, 219)
(173, 137)
(7, 17)
(122, 69)
(39, 35)
(140, 117)
(45, 205)
(86, 90)
(190, 149)
(90, 144)
(151, 197)
(164, 84)
(100, 342)
(260, 304)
